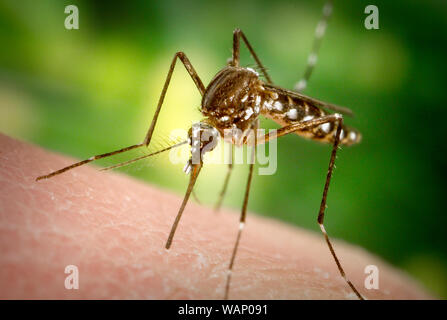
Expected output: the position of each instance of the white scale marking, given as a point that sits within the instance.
(307, 118)
(277, 105)
(187, 168)
(292, 114)
(248, 113)
(301, 85)
(325, 127)
(323, 229)
(268, 105)
(327, 9)
(252, 70)
(312, 60)
(321, 28)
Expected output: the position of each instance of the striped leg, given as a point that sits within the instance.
(334, 118)
(243, 213)
(313, 56)
(237, 34)
(323, 208)
(195, 77)
(227, 180)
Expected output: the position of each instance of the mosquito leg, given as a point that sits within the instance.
(302, 125)
(196, 198)
(80, 163)
(243, 216)
(224, 188)
(313, 56)
(148, 137)
(237, 34)
(323, 207)
(195, 77)
(334, 118)
(227, 179)
(192, 180)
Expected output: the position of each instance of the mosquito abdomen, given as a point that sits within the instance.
(286, 110)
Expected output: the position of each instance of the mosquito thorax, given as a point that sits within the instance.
(233, 99)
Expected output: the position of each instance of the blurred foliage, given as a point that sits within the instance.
(92, 90)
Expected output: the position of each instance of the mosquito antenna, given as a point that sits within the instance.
(194, 174)
(125, 163)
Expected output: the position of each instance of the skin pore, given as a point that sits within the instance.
(114, 229)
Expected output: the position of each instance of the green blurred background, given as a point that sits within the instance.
(92, 90)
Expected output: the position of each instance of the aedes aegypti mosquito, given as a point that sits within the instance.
(234, 100)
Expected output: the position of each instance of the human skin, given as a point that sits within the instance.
(114, 228)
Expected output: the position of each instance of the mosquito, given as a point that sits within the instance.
(233, 102)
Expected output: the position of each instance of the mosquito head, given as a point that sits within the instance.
(202, 138)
